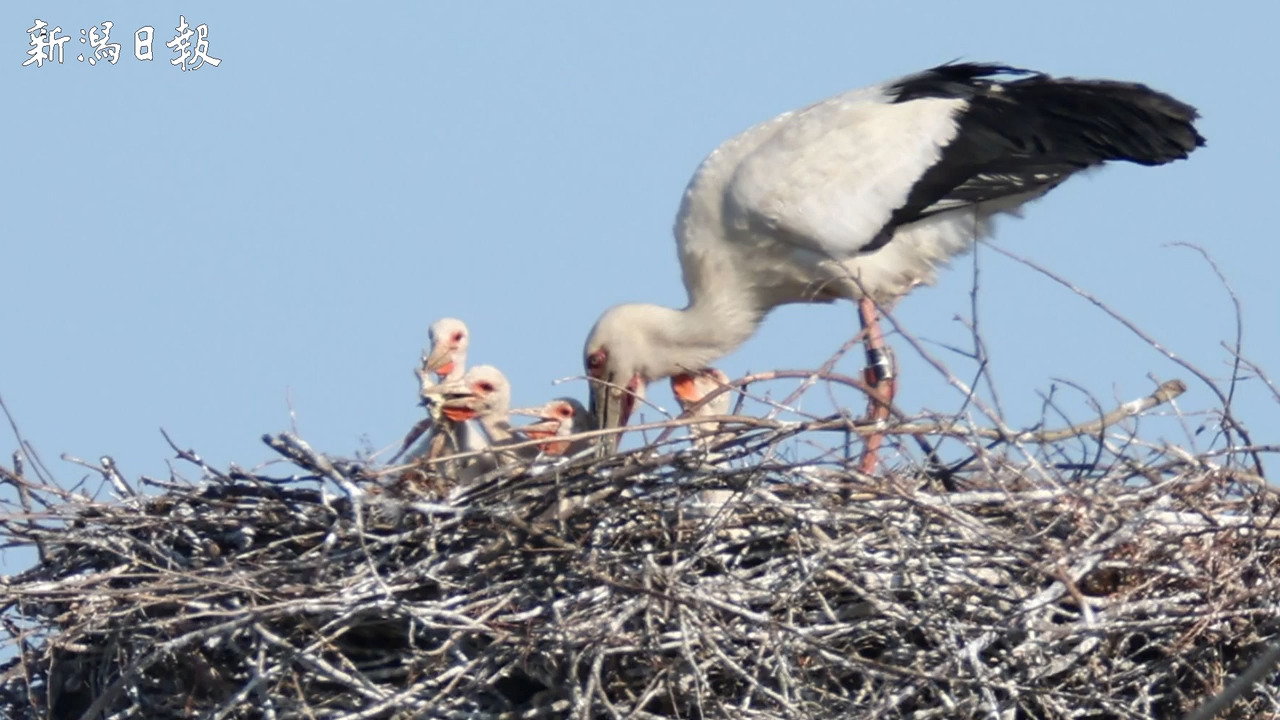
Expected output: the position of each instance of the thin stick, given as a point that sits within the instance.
(42, 472)
(1163, 394)
(1252, 675)
(1228, 418)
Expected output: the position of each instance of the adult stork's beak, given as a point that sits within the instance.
(612, 405)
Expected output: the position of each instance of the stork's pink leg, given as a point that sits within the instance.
(880, 381)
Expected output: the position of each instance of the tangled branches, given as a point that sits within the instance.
(763, 577)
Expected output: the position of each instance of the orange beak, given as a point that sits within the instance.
(459, 402)
(443, 371)
(540, 430)
(457, 414)
(543, 430)
(683, 387)
(555, 448)
(440, 361)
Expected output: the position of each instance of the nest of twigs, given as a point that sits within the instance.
(1042, 575)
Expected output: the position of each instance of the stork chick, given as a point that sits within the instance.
(447, 360)
(690, 389)
(558, 418)
(484, 395)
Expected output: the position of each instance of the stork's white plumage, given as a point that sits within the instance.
(865, 195)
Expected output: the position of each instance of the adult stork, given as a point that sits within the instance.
(864, 196)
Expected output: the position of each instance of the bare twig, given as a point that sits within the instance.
(1228, 419)
(1238, 687)
(763, 578)
(41, 471)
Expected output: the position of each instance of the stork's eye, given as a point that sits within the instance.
(564, 411)
(457, 336)
(596, 361)
(485, 386)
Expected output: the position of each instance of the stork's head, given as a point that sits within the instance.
(449, 341)
(559, 417)
(482, 391)
(622, 355)
(633, 345)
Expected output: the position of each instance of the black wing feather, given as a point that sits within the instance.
(1028, 134)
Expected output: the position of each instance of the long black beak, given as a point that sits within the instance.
(606, 404)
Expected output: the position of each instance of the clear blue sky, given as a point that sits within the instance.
(202, 251)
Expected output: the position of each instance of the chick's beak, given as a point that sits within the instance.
(540, 430)
(682, 386)
(459, 409)
(440, 361)
(456, 401)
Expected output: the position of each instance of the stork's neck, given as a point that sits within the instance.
(693, 338)
(497, 427)
(725, 318)
(723, 310)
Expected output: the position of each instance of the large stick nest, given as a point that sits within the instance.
(1078, 575)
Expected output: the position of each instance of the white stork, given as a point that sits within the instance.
(864, 196)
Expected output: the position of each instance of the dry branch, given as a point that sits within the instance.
(764, 579)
